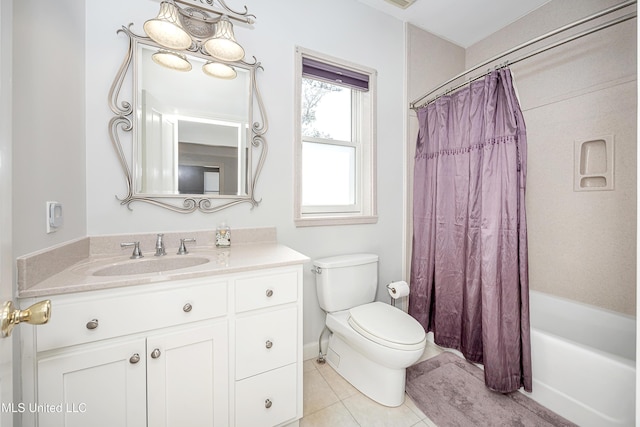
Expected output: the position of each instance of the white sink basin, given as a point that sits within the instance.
(149, 265)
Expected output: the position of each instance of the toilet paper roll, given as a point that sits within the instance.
(398, 289)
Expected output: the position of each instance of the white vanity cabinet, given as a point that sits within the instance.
(223, 350)
(268, 341)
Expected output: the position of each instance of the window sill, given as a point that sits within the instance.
(317, 221)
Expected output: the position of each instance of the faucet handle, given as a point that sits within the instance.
(182, 250)
(136, 249)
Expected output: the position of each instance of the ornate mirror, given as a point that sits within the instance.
(196, 118)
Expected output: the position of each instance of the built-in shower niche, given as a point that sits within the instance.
(593, 167)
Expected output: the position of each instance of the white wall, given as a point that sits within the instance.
(344, 29)
(48, 120)
(66, 54)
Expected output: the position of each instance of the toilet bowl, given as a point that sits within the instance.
(372, 343)
(385, 334)
(375, 361)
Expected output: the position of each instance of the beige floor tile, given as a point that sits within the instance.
(335, 415)
(411, 405)
(339, 385)
(309, 365)
(370, 414)
(316, 392)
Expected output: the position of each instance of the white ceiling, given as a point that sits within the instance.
(463, 22)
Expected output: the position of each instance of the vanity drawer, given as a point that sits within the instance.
(80, 320)
(266, 290)
(267, 399)
(266, 341)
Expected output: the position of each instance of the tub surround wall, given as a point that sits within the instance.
(35, 268)
(582, 245)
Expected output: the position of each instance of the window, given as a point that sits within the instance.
(335, 141)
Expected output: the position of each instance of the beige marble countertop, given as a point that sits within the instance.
(80, 277)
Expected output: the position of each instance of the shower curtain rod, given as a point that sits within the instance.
(413, 105)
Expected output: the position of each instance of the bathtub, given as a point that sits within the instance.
(583, 361)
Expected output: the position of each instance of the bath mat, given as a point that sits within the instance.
(451, 392)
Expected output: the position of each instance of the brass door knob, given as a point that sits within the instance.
(38, 314)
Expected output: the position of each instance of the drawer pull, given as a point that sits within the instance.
(268, 344)
(134, 359)
(92, 324)
(269, 293)
(268, 403)
(155, 353)
(187, 308)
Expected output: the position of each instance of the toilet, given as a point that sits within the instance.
(372, 343)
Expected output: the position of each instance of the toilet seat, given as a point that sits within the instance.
(388, 326)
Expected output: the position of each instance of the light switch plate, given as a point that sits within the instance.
(55, 219)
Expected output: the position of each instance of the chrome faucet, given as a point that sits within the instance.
(136, 249)
(160, 246)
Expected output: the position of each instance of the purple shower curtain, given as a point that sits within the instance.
(469, 271)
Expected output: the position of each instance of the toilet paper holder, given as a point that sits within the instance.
(392, 290)
(397, 290)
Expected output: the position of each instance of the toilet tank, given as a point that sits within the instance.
(346, 281)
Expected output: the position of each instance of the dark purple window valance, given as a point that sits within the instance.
(319, 70)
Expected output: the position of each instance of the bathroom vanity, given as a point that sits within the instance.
(213, 344)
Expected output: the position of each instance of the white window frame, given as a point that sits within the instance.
(364, 211)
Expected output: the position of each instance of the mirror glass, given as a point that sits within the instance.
(192, 130)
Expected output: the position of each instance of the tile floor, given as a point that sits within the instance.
(330, 401)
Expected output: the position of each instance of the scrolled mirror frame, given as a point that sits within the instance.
(122, 121)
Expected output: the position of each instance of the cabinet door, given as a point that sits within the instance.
(188, 377)
(95, 385)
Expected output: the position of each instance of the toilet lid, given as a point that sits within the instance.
(387, 325)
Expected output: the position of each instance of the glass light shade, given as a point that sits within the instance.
(223, 44)
(174, 60)
(221, 71)
(166, 29)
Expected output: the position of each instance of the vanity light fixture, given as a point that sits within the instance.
(174, 60)
(166, 28)
(192, 29)
(223, 44)
(219, 70)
